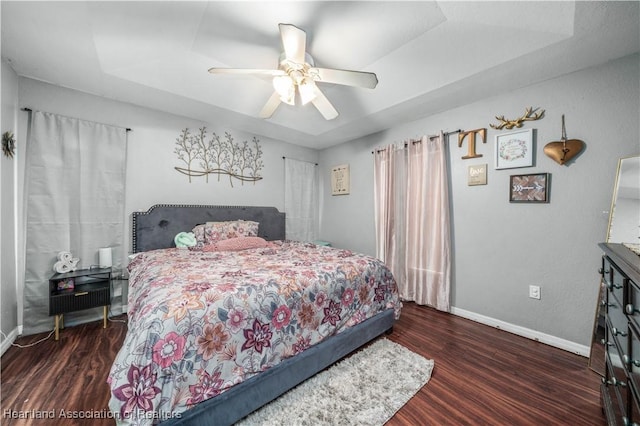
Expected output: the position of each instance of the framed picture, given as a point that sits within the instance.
(514, 149)
(529, 188)
(477, 175)
(340, 179)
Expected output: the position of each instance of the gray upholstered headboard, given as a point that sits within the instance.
(157, 227)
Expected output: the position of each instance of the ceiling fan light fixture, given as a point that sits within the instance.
(307, 90)
(296, 76)
(285, 87)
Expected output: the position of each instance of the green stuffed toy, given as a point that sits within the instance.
(185, 239)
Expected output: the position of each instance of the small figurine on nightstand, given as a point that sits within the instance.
(66, 263)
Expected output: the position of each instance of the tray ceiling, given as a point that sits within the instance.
(429, 56)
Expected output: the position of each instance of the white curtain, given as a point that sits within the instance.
(301, 200)
(412, 219)
(74, 201)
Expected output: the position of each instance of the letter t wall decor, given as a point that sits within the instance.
(471, 153)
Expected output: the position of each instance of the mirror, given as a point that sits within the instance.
(624, 227)
(624, 216)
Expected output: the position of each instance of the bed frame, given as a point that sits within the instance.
(156, 229)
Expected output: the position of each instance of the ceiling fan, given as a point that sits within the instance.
(297, 73)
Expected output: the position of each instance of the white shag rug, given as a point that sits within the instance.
(365, 389)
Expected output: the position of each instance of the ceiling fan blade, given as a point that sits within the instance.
(367, 80)
(294, 41)
(324, 106)
(247, 71)
(270, 107)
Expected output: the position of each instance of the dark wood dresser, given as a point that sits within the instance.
(620, 389)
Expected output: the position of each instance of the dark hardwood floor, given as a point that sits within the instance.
(486, 376)
(482, 376)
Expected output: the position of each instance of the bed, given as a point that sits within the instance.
(222, 328)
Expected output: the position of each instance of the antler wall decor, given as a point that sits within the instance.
(530, 114)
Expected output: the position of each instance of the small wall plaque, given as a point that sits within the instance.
(477, 175)
(340, 180)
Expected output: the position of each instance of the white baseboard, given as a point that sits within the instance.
(6, 343)
(524, 332)
(502, 325)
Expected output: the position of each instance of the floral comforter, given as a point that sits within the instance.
(201, 322)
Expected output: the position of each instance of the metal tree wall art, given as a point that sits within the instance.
(215, 155)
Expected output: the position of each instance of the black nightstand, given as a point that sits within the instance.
(78, 290)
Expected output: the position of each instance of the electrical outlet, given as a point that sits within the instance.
(534, 292)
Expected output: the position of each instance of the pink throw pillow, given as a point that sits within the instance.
(240, 243)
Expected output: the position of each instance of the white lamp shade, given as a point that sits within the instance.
(307, 90)
(285, 88)
(104, 255)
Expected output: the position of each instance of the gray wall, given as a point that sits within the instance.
(8, 297)
(151, 177)
(499, 248)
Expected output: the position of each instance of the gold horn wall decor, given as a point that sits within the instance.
(530, 114)
(564, 150)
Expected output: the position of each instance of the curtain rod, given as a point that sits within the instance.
(448, 133)
(30, 110)
(315, 164)
(431, 137)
